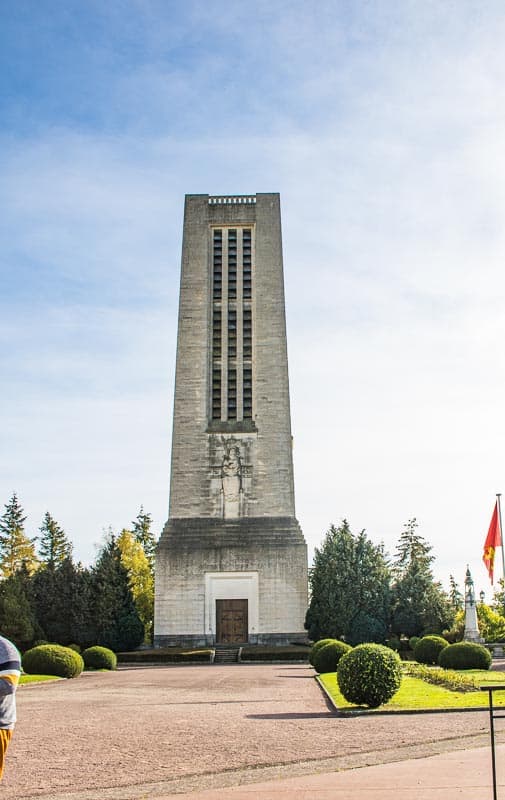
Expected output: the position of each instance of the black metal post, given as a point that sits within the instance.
(492, 717)
(493, 754)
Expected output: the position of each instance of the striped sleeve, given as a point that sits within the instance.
(9, 676)
(10, 666)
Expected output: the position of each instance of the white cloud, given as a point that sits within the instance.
(382, 128)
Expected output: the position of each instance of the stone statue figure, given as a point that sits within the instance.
(231, 479)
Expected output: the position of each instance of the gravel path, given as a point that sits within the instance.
(152, 732)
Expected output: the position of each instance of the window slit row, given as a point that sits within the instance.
(233, 276)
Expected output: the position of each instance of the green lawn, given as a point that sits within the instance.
(486, 677)
(415, 694)
(38, 678)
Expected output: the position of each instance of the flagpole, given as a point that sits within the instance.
(498, 495)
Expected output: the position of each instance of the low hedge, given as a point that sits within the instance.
(99, 658)
(52, 659)
(166, 655)
(179, 655)
(465, 655)
(286, 652)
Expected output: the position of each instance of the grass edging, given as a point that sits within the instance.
(34, 680)
(364, 712)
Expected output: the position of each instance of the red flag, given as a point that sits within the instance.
(493, 540)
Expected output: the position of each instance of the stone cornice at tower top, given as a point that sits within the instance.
(239, 199)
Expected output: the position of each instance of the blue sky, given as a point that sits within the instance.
(382, 126)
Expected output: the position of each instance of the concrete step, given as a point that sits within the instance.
(226, 655)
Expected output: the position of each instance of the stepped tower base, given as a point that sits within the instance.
(231, 581)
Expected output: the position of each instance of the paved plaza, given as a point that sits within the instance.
(228, 731)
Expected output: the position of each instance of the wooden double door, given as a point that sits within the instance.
(231, 621)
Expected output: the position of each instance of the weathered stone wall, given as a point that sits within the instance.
(189, 482)
(190, 549)
(271, 491)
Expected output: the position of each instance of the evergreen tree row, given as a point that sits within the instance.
(46, 596)
(359, 595)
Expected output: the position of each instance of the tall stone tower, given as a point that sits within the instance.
(231, 563)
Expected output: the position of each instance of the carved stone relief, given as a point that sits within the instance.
(230, 475)
(231, 479)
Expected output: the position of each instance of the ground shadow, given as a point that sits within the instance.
(295, 715)
(297, 677)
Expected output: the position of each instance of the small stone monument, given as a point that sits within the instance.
(471, 633)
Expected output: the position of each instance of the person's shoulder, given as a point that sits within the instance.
(8, 650)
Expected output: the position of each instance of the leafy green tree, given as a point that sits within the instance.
(498, 603)
(140, 578)
(143, 534)
(118, 623)
(457, 629)
(491, 624)
(54, 547)
(349, 585)
(16, 548)
(420, 604)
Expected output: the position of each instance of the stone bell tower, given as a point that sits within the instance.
(231, 563)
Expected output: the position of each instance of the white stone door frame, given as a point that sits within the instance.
(231, 586)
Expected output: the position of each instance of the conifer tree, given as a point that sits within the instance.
(420, 604)
(17, 620)
(142, 532)
(455, 596)
(118, 623)
(349, 585)
(83, 622)
(54, 547)
(16, 548)
(62, 600)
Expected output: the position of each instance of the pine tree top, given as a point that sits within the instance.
(17, 550)
(54, 547)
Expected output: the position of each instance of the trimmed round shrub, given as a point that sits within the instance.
(99, 658)
(465, 655)
(327, 657)
(317, 646)
(369, 675)
(428, 649)
(75, 647)
(413, 641)
(53, 659)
